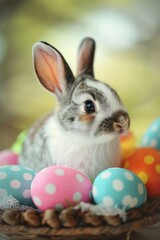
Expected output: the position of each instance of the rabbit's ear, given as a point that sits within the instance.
(86, 57)
(51, 68)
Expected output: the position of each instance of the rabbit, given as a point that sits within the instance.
(83, 131)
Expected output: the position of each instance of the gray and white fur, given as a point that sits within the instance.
(83, 132)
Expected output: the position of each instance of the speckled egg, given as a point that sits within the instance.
(16, 180)
(8, 157)
(59, 187)
(118, 187)
(151, 137)
(145, 162)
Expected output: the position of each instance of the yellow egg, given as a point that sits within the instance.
(128, 145)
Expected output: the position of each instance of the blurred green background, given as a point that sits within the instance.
(127, 33)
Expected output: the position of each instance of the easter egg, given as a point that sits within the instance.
(8, 157)
(128, 144)
(16, 180)
(151, 137)
(118, 187)
(145, 162)
(59, 187)
(17, 146)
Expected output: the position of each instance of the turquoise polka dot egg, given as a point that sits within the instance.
(15, 180)
(119, 188)
(151, 137)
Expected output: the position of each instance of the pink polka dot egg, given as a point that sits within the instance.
(59, 187)
(15, 180)
(118, 187)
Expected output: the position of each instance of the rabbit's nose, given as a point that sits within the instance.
(121, 122)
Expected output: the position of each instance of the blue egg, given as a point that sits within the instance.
(119, 188)
(15, 180)
(151, 137)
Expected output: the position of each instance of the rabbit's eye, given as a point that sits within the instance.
(89, 107)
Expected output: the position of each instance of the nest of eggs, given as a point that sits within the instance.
(78, 222)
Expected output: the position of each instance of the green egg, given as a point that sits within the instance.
(17, 146)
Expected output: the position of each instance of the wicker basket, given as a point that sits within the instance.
(73, 223)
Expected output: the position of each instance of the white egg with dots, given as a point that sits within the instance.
(119, 188)
(60, 187)
(15, 180)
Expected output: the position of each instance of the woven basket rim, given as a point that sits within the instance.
(79, 231)
(147, 215)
